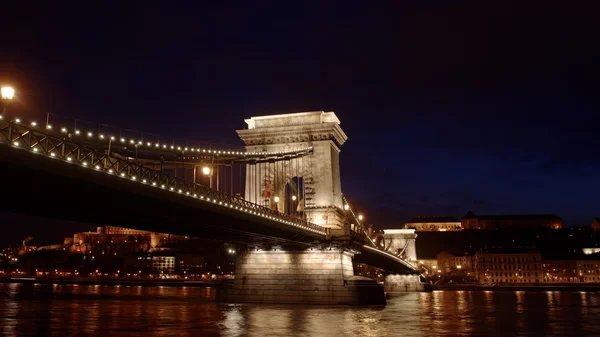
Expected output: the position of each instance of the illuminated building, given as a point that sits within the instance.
(433, 224)
(560, 271)
(509, 221)
(588, 270)
(508, 266)
(163, 264)
(448, 262)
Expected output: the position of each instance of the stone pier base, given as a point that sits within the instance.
(303, 277)
(395, 284)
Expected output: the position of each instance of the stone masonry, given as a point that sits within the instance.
(322, 198)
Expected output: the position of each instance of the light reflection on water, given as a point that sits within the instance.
(87, 310)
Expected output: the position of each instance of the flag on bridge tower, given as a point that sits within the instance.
(267, 189)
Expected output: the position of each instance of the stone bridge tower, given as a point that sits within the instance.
(321, 198)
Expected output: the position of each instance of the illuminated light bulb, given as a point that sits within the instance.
(77, 132)
(162, 186)
(360, 217)
(153, 183)
(185, 149)
(293, 197)
(112, 138)
(49, 127)
(140, 142)
(97, 167)
(63, 130)
(89, 134)
(35, 149)
(276, 199)
(84, 163)
(16, 143)
(0, 116)
(157, 145)
(149, 144)
(144, 181)
(178, 148)
(101, 136)
(346, 207)
(132, 141)
(164, 146)
(122, 140)
(187, 193)
(122, 174)
(133, 178)
(172, 147)
(18, 120)
(195, 195)
(110, 171)
(52, 154)
(206, 170)
(179, 191)
(69, 159)
(171, 188)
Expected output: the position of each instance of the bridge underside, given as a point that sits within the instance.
(391, 266)
(34, 185)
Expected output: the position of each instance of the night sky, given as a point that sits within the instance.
(450, 106)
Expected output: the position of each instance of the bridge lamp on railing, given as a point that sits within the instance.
(346, 207)
(8, 93)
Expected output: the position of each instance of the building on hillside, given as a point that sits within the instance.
(508, 266)
(114, 241)
(433, 224)
(510, 221)
(595, 224)
(590, 251)
(448, 262)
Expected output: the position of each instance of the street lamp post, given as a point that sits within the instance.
(7, 96)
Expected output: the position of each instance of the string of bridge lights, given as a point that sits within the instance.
(159, 146)
(203, 198)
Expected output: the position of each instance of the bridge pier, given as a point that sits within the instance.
(395, 284)
(311, 276)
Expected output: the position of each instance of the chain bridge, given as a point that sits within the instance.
(279, 198)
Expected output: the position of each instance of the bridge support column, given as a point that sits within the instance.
(304, 277)
(395, 284)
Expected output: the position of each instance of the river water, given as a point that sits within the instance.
(84, 310)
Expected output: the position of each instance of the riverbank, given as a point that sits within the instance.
(99, 281)
(520, 287)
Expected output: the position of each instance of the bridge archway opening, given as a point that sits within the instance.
(294, 197)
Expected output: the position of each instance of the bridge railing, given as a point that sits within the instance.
(37, 141)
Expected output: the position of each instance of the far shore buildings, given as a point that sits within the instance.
(488, 222)
(433, 224)
(510, 221)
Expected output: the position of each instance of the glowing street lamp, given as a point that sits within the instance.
(360, 217)
(206, 170)
(294, 197)
(346, 207)
(7, 94)
(276, 199)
